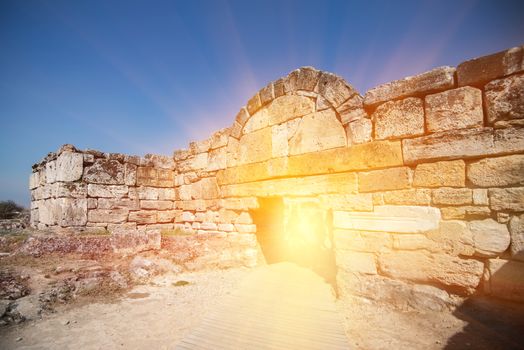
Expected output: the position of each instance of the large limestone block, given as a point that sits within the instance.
(390, 218)
(481, 70)
(70, 189)
(413, 196)
(107, 191)
(464, 143)
(71, 211)
(279, 140)
(117, 203)
(437, 79)
(452, 196)
(398, 119)
(143, 192)
(351, 110)
(505, 279)
(383, 180)
(379, 154)
(50, 172)
(217, 159)
(505, 98)
(334, 89)
(157, 177)
(303, 186)
(350, 202)
(105, 171)
(206, 188)
(69, 166)
(255, 147)
(511, 199)
(440, 174)
(453, 237)
(465, 212)
(143, 217)
(257, 121)
(454, 109)
(457, 274)
(489, 237)
(516, 229)
(289, 107)
(362, 241)
(317, 132)
(130, 174)
(414, 241)
(359, 131)
(34, 180)
(114, 216)
(356, 262)
(495, 172)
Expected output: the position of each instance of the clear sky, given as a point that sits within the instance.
(143, 77)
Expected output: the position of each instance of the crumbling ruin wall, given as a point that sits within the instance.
(423, 176)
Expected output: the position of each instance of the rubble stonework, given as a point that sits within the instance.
(424, 177)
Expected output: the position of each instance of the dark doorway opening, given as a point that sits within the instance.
(296, 231)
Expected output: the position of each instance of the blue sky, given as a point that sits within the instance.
(143, 77)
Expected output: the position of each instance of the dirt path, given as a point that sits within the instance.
(150, 317)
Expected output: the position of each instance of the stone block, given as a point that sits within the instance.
(240, 203)
(317, 132)
(454, 109)
(505, 98)
(201, 146)
(105, 171)
(279, 140)
(495, 172)
(266, 94)
(70, 189)
(289, 107)
(34, 180)
(334, 89)
(452, 196)
(378, 154)
(307, 79)
(453, 237)
(480, 196)
(481, 70)
(408, 197)
(156, 204)
(114, 216)
(464, 143)
(130, 174)
(349, 202)
(107, 191)
(50, 172)
(510, 199)
(465, 212)
(506, 279)
(439, 174)
(254, 104)
(217, 159)
(236, 130)
(226, 227)
(181, 154)
(359, 131)
(303, 186)
(219, 138)
(255, 147)
(356, 262)
(257, 121)
(456, 274)
(413, 242)
(351, 110)
(489, 237)
(118, 203)
(383, 180)
(389, 218)
(437, 79)
(399, 119)
(143, 217)
(362, 241)
(516, 230)
(206, 188)
(70, 211)
(69, 167)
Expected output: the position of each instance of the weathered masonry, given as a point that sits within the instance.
(413, 193)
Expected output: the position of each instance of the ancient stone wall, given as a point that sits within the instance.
(423, 178)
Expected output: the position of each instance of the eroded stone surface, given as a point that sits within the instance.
(505, 98)
(399, 119)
